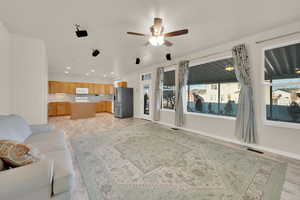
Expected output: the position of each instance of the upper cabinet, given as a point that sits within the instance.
(70, 87)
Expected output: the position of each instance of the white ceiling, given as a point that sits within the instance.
(210, 22)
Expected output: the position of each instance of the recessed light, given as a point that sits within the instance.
(68, 68)
(297, 70)
(111, 72)
(92, 70)
(87, 74)
(66, 72)
(105, 75)
(229, 68)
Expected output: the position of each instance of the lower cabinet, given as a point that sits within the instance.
(59, 109)
(104, 106)
(64, 108)
(52, 111)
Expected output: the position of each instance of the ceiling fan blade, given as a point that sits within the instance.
(168, 43)
(177, 33)
(139, 34)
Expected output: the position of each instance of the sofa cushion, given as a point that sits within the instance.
(16, 154)
(14, 127)
(63, 171)
(48, 141)
(53, 136)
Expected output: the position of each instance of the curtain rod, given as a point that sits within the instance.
(277, 37)
(200, 57)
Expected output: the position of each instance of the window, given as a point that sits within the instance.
(213, 88)
(282, 77)
(146, 77)
(168, 99)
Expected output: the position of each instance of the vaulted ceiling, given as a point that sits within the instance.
(210, 22)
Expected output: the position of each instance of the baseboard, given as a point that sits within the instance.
(254, 146)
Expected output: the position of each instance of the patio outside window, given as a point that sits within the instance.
(282, 78)
(168, 100)
(213, 88)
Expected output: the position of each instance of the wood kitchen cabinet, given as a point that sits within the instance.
(70, 87)
(122, 84)
(108, 106)
(59, 109)
(52, 109)
(104, 106)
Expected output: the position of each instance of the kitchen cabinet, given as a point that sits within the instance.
(104, 106)
(122, 84)
(52, 109)
(59, 109)
(63, 108)
(70, 87)
(108, 106)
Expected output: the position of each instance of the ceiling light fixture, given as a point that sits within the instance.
(229, 68)
(104, 75)
(80, 33)
(137, 61)
(87, 74)
(156, 40)
(68, 68)
(66, 72)
(92, 70)
(95, 52)
(297, 70)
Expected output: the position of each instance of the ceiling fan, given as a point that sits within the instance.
(157, 36)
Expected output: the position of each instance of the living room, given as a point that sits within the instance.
(150, 100)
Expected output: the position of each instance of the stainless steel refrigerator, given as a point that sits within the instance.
(123, 102)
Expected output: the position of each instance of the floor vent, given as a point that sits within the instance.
(176, 129)
(254, 150)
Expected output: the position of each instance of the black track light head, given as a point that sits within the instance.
(80, 33)
(168, 56)
(95, 52)
(137, 61)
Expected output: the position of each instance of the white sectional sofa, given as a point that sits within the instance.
(51, 178)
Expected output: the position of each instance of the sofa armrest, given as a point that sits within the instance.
(41, 128)
(26, 180)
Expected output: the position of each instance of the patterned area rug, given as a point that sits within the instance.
(152, 162)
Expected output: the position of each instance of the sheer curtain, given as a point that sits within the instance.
(158, 93)
(245, 129)
(182, 77)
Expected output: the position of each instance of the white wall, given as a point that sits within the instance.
(5, 106)
(29, 79)
(77, 78)
(23, 77)
(271, 138)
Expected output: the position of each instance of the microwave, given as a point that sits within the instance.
(82, 90)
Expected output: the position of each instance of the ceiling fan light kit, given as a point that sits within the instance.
(157, 40)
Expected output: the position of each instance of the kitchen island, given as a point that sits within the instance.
(81, 110)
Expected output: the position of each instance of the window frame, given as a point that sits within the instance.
(185, 100)
(167, 69)
(264, 83)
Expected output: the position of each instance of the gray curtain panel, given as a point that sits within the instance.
(245, 128)
(159, 78)
(182, 78)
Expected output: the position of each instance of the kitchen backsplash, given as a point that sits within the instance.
(71, 97)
